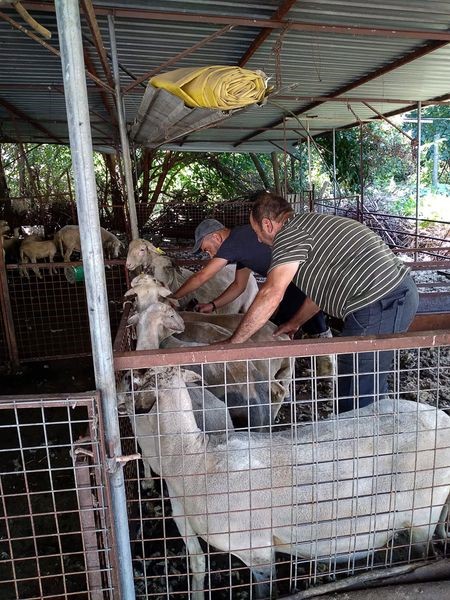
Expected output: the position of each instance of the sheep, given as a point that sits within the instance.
(4, 227)
(68, 240)
(147, 291)
(142, 253)
(32, 249)
(254, 390)
(335, 490)
(247, 382)
(211, 414)
(11, 246)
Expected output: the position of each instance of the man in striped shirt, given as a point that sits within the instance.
(344, 269)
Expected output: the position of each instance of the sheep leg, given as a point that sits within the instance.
(197, 561)
(53, 269)
(263, 576)
(23, 271)
(441, 530)
(68, 253)
(35, 269)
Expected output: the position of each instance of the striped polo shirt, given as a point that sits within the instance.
(344, 265)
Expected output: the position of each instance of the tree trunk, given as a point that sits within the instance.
(170, 159)
(260, 170)
(118, 204)
(436, 160)
(5, 198)
(276, 172)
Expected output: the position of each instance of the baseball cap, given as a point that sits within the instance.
(205, 228)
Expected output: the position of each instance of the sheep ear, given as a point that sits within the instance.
(131, 292)
(190, 376)
(164, 292)
(173, 302)
(133, 320)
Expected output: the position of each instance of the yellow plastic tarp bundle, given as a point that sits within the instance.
(220, 87)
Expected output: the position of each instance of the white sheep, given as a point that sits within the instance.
(211, 415)
(148, 291)
(254, 390)
(32, 249)
(142, 253)
(68, 241)
(335, 490)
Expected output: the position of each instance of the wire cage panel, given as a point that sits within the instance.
(50, 312)
(55, 537)
(310, 496)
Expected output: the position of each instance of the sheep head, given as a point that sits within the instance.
(140, 254)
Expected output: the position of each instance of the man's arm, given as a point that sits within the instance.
(266, 301)
(235, 289)
(198, 279)
(306, 311)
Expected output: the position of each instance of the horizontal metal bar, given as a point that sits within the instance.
(142, 359)
(196, 17)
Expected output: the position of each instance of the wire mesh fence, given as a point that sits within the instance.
(49, 308)
(55, 539)
(309, 496)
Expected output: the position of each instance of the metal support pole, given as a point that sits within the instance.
(69, 30)
(361, 176)
(123, 135)
(309, 156)
(419, 142)
(334, 170)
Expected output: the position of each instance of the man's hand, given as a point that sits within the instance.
(204, 308)
(221, 342)
(290, 328)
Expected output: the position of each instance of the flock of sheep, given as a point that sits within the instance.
(335, 490)
(33, 248)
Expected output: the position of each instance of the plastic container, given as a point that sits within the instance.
(74, 274)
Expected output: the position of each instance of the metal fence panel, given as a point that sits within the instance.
(314, 498)
(55, 539)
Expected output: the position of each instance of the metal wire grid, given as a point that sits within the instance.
(50, 314)
(400, 457)
(54, 523)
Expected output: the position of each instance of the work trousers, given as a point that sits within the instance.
(368, 371)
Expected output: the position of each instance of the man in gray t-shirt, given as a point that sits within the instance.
(346, 270)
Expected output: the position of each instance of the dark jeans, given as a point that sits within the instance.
(292, 300)
(369, 370)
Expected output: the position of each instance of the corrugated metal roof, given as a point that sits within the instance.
(322, 48)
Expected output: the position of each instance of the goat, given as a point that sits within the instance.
(338, 488)
(68, 241)
(142, 253)
(32, 249)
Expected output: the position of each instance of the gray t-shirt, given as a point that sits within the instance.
(344, 265)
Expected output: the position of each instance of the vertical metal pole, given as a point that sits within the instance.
(69, 30)
(361, 176)
(419, 143)
(309, 157)
(6, 315)
(334, 170)
(123, 135)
